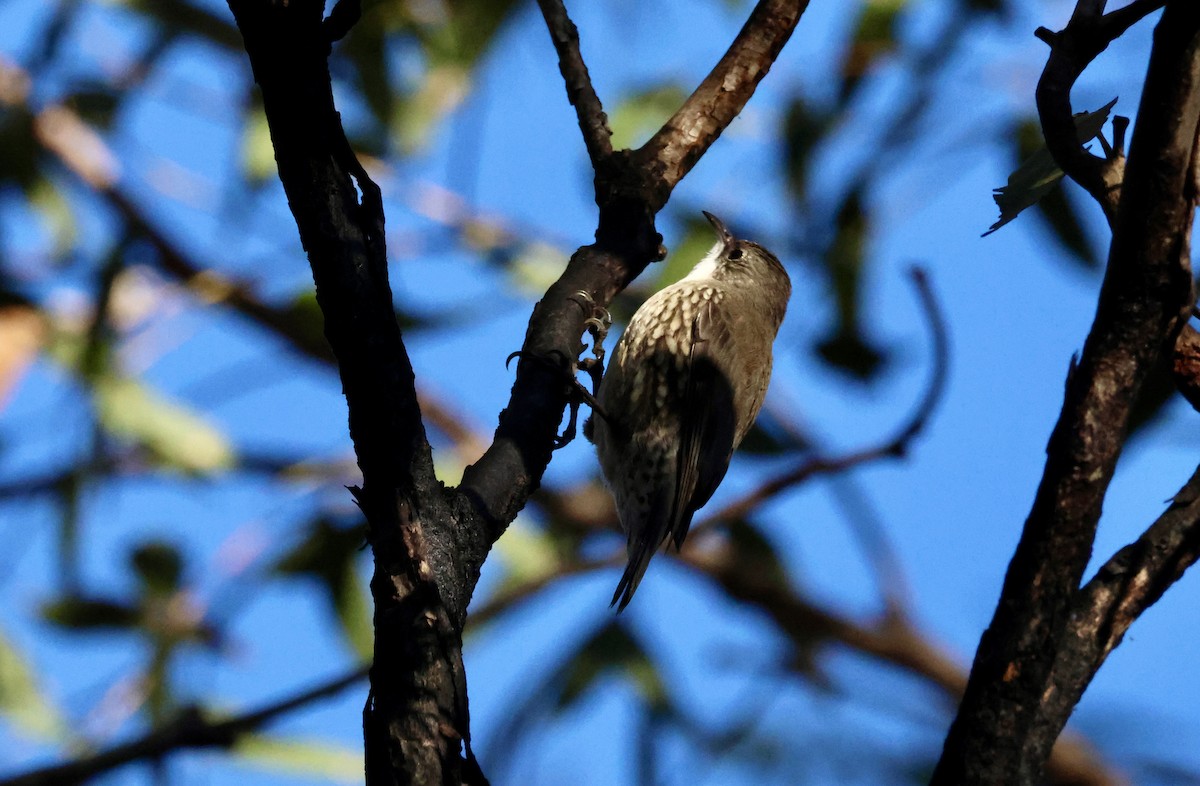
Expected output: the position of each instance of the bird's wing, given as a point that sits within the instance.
(707, 421)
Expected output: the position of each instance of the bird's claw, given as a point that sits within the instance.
(576, 392)
(597, 324)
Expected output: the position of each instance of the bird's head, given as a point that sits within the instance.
(744, 263)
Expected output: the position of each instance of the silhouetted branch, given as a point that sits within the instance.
(1087, 34)
(1010, 716)
(416, 722)
(190, 730)
(593, 123)
(1129, 583)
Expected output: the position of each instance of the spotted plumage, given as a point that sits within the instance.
(683, 387)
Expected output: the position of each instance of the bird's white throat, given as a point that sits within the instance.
(706, 267)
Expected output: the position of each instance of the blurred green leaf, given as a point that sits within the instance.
(159, 565)
(613, 650)
(91, 614)
(416, 116)
(314, 759)
(365, 49)
(874, 37)
(1054, 206)
(21, 701)
(847, 349)
(52, 205)
(527, 553)
(536, 267)
(755, 553)
(181, 16)
(638, 116)
(329, 554)
(697, 240)
(177, 436)
(767, 437)
(452, 36)
(1065, 222)
(803, 129)
(1038, 173)
(258, 154)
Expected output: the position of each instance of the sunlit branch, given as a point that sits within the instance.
(709, 110)
(1126, 585)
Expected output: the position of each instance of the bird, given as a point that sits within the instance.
(683, 386)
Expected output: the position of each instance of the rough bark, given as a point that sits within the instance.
(1021, 690)
(429, 543)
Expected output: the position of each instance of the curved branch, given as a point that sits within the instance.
(191, 730)
(1087, 34)
(1006, 724)
(630, 189)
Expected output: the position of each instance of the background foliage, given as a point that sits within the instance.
(172, 435)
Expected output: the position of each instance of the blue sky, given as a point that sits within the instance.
(952, 509)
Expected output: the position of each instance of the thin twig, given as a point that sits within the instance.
(593, 123)
(190, 730)
(1087, 34)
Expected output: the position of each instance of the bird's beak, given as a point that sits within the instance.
(719, 225)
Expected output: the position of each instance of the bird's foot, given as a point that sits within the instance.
(597, 323)
(576, 393)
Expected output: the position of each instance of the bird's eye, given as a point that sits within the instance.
(735, 254)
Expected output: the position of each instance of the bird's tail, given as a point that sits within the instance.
(639, 558)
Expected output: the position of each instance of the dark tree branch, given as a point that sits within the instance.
(1128, 584)
(1087, 34)
(593, 123)
(190, 730)
(630, 190)
(418, 707)
(1004, 727)
(1185, 365)
(416, 719)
